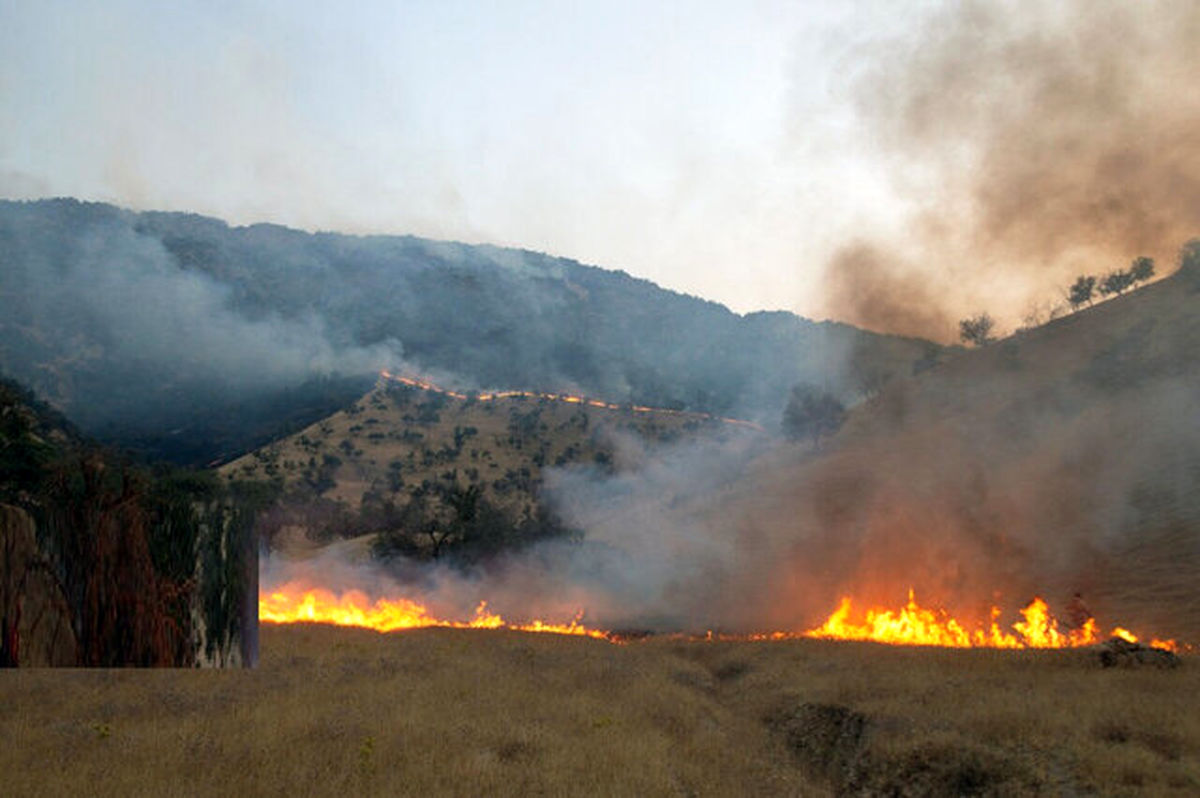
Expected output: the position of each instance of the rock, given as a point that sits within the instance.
(33, 612)
(1120, 653)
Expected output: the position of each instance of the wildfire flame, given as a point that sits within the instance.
(292, 603)
(914, 625)
(492, 396)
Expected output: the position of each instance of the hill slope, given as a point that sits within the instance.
(196, 340)
(1063, 459)
(363, 470)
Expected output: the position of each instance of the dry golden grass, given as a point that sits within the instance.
(448, 712)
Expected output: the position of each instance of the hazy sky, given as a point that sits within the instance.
(729, 150)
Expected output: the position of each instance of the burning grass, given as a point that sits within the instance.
(292, 603)
(911, 624)
(496, 712)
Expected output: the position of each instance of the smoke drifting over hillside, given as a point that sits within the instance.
(1063, 460)
(1037, 141)
(126, 291)
(690, 540)
(146, 321)
(104, 321)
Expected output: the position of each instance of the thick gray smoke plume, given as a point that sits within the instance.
(149, 310)
(104, 321)
(1038, 141)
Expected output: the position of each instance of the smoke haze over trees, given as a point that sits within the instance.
(196, 340)
(1060, 460)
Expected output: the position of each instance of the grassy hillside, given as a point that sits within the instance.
(342, 474)
(442, 712)
(1062, 459)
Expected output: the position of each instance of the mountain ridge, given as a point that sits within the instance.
(186, 336)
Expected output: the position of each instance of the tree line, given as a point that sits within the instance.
(977, 330)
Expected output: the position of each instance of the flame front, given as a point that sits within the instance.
(426, 385)
(914, 625)
(292, 603)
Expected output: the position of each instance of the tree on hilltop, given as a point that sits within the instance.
(1082, 291)
(976, 331)
(1142, 269)
(1117, 282)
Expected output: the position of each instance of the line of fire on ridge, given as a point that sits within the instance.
(489, 396)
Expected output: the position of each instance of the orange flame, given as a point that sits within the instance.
(292, 603)
(426, 385)
(914, 625)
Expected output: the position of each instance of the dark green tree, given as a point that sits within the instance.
(1142, 269)
(812, 413)
(1117, 282)
(977, 330)
(1082, 291)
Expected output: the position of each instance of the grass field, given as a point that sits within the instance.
(448, 712)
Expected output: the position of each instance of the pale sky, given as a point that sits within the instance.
(712, 147)
(700, 145)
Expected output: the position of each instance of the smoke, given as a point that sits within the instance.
(650, 560)
(1037, 142)
(875, 290)
(969, 512)
(644, 563)
(1060, 461)
(149, 310)
(102, 312)
(1040, 499)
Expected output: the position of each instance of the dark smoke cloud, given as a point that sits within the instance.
(875, 291)
(1038, 141)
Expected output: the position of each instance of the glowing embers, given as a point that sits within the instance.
(914, 625)
(293, 603)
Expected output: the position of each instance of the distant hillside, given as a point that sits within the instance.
(1062, 459)
(191, 339)
(364, 470)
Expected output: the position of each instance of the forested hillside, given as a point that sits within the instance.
(192, 339)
